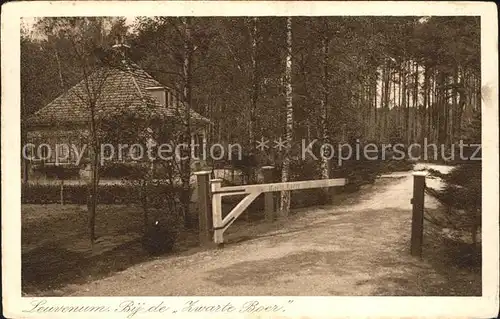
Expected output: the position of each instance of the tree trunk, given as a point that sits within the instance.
(400, 82)
(407, 114)
(403, 101)
(255, 85)
(94, 180)
(478, 92)
(434, 104)
(380, 124)
(285, 173)
(462, 98)
(446, 108)
(254, 95)
(442, 108)
(374, 105)
(61, 79)
(454, 108)
(187, 99)
(52, 39)
(25, 162)
(415, 104)
(394, 104)
(387, 93)
(94, 167)
(325, 169)
(424, 130)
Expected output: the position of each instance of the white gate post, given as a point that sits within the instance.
(215, 185)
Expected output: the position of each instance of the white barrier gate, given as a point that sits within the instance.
(252, 192)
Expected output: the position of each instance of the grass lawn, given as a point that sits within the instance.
(56, 249)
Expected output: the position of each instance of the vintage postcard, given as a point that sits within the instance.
(249, 159)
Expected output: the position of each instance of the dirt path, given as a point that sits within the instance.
(360, 249)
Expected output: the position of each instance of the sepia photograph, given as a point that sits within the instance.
(262, 155)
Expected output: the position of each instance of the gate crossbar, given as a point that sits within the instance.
(278, 187)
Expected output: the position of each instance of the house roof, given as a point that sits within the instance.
(113, 89)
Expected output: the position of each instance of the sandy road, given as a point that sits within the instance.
(353, 249)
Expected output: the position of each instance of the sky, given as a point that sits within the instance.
(30, 21)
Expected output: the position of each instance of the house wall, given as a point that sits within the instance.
(55, 144)
(66, 146)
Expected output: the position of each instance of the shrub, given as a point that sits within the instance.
(462, 196)
(357, 172)
(462, 192)
(40, 194)
(161, 233)
(121, 170)
(304, 170)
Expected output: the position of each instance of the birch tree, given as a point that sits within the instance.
(325, 167)
(187, 98)
(285, 173)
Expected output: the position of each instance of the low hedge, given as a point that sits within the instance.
(57, 171)
(77, 194)
(111, 170)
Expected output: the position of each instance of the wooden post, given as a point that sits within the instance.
(204, 211)
(25, 170)
(417, 223)
(267, 171)
(197, 166)
(217, 211)
(61, 192)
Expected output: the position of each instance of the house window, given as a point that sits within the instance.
(71, 154)
(160, 94)
(44, 152)
(169, 98)
(62, 153)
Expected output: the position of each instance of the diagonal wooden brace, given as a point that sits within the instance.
(239, 209)
(220, 225)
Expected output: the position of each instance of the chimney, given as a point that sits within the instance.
(161, 94)
(121, 47)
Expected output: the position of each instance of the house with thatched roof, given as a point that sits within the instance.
(111, 88)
